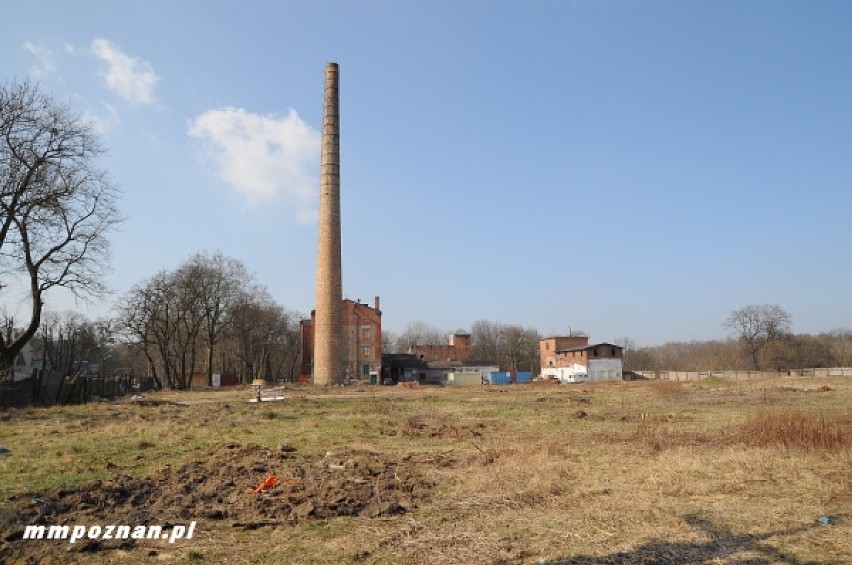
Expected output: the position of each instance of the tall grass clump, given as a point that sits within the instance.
(671, 390)
(797, 430)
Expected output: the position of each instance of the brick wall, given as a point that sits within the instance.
(457, 349)
(361, 341)
(549, 346)
(362, 338)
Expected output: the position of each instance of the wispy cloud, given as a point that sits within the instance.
(131, 78)
(263, 157)
(44, 62)
(103, 119)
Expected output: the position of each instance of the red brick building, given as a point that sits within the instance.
(362, 342)
(457, 349)
(572, 359)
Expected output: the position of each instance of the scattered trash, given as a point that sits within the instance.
(142, 401)
(267, 399)
(5, 449)
(827, 520)
(335, 467)
(270, 482)
(48, 508)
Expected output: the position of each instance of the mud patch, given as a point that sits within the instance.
(425, 426)
(344, 483)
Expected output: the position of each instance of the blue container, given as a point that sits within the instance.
(498, 378)
(523, 378)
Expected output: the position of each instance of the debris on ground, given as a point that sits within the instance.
(270, 482)
(370, 485)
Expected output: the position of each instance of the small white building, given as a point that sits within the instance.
(574, 373)
(460, 376)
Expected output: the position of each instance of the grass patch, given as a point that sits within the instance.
(669, 389)
(797, 430)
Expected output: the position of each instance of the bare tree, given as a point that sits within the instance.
(209, 305)
(139, 314)
(57, 205)
(512, 347)
(627, 347)
(265, 337)
(758, 326)
(187, 304)
(840, 345)
(389, 341)
(219, 280)
(420, 333)
(59, 335)
(161, 314)
(519, 348)
(485, 341)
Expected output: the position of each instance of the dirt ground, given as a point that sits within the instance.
(222, 488)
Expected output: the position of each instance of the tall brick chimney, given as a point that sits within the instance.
(328, 329)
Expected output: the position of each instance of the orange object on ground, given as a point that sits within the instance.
(270, 482)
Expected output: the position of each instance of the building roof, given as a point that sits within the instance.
(402, 360)
(587, 347)
(574, 336)
(449, 364)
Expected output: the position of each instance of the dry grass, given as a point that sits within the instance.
(668, 389)
(650, 473)
(797, 430)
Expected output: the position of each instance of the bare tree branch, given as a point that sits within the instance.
(57, 206)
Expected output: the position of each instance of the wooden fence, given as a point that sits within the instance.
(56, 388)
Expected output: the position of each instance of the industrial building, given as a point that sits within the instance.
(571, 359)
(360, 347)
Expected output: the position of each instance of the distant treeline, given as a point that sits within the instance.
(790, 352)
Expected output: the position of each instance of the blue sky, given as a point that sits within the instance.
(632, 169)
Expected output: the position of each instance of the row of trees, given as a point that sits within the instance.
(209, 314)
(793, 351)
(761, 339)
(67, 340)
(206, 315)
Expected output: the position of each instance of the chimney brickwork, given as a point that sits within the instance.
(328, 329)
